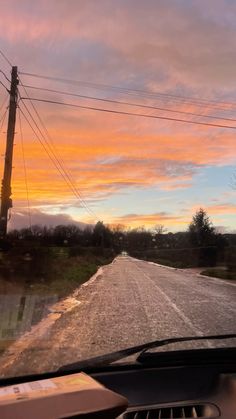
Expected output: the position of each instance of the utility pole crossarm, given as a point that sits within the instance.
(6, 202)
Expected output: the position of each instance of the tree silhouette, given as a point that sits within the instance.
(101, 235)
(201, 230)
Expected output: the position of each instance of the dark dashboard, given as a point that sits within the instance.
(168, 385)
(183, 391)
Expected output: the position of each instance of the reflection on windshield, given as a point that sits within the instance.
(19, 313)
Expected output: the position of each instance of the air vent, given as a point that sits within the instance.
(175, 412)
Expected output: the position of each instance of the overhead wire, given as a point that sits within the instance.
(5, 58)
(128, 103)
(5, 76)
(4, 102)
(5, 87)
(39, 139)
(129, 113)
(25, 170)
(77, 193)
(2, 120)
(55, 161)
(188, 99)
(37, 113)
(59, 159)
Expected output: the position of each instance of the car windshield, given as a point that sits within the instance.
(118, 169)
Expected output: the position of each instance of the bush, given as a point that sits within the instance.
(219, 273)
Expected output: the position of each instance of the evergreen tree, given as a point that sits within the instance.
(201, 230)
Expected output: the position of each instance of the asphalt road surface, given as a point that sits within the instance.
(129, 302)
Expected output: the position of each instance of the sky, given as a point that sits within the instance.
(178, 56)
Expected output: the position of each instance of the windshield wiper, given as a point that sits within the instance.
(107, 359)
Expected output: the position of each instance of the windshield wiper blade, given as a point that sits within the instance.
(109, 358)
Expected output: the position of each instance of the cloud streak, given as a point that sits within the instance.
(137, 220)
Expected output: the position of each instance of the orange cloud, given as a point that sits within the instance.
(103, 159)
(123, 161)
(222, 209)
(136, 220)
(176, 221)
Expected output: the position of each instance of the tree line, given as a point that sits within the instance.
(200, 233)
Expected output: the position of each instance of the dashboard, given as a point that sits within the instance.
(190, 391)
(184, 384)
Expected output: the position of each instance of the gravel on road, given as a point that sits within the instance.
(128, 302)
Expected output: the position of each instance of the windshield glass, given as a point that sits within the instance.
(118, 168)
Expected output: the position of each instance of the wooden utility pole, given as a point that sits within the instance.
(6, 202)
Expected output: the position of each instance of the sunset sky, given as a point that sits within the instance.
(177, 55)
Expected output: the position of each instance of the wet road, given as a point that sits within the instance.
(129, 302)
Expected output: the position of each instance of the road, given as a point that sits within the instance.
(129, 302)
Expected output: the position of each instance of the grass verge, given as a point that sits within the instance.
(72, 273)
(219, 273)
(25, 299)
(49, 271)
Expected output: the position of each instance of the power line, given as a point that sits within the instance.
(59, 160)
(62, 170)
(39, 139)
(35, 110)
(5, 76)
(5, 87)
(51, 146)
(4, 102)
(166, 118)
(57, 163)
(2, 120)
(126, 89)
(25, 171)
(5, 112)
(128, 103)
(5, 58)
(150, 95)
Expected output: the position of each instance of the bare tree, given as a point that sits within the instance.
(160, 229)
